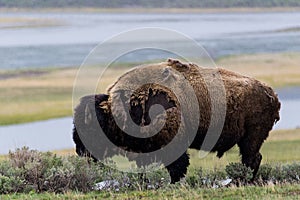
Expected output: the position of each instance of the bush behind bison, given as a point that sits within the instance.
(252, 108)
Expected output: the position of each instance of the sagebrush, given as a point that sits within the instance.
(26, 171)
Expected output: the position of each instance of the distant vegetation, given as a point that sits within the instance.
(147, 3)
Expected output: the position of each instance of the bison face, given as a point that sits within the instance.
(87, 117)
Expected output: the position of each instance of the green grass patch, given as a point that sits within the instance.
(272, 152)
(281, 151)
(28, 104)
(285, 191)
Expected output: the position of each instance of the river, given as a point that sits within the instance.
(77, 34)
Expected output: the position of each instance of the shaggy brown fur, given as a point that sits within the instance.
(252, 110)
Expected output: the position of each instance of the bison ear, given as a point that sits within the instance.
(93, 104)
(87, 114)
(179, 66)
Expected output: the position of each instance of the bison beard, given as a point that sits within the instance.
(252, 110)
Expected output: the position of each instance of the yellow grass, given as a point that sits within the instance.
(43, 94)
(278, 70)
(284, 135)
(27, 22)
(65, 152)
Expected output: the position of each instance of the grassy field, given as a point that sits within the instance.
(282, 147)
(43, 94)
(39, 94)
(177, 192)
(277, 70)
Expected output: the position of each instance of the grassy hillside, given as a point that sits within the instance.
(271, 192)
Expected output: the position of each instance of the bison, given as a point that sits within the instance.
(252, 108)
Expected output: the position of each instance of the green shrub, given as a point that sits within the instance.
(239, 173)
(38, 171)
(10, 184)
(292, 172)
(265, 172)
(278, 174)
(199, 178)
(30, 171)
(195, 178)
(216, 176)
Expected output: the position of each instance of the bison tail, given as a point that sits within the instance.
(274, 102)
(276, 105)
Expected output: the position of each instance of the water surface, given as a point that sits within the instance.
(43, 135)
(68, 45)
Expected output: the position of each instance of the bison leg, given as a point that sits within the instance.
(249, 149)
(252, 161)
(178, 168)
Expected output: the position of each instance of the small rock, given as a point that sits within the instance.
(107, 185)
(270, 183)
(225, 182)
(150, 187)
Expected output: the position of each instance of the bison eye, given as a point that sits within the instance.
(166, 72)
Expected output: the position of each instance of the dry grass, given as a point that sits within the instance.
(27, 22)
(278, 70)
(35, 96)
(64, 152)
(284, 135)
(43, 94)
